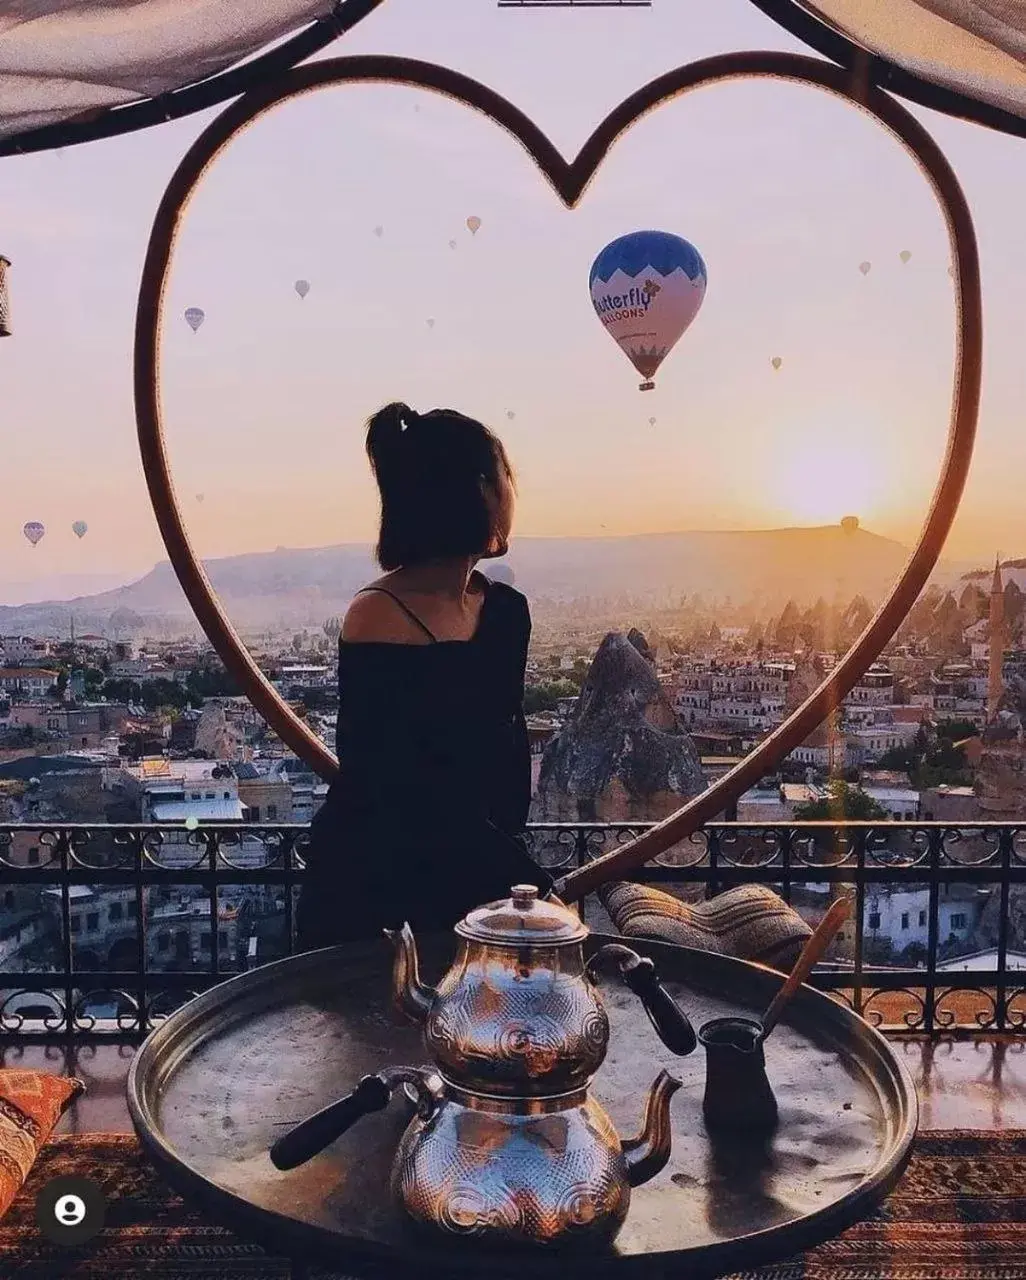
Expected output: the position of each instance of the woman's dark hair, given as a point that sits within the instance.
(430, 468)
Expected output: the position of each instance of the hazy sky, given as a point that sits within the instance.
(783, 189)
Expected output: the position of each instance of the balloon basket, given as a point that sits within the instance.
(647, 386)
(5, 299)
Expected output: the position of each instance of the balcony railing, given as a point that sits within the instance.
(105, 929)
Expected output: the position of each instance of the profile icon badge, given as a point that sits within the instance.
(70, 1210)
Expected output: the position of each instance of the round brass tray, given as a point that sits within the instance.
(220, 1079)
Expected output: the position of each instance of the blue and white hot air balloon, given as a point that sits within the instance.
(646, 288)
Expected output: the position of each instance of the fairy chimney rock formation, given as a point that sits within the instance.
(641, 644)
(624, 755)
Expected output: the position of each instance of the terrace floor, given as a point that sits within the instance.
(962, 1084)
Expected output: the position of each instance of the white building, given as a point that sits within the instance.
(901, 803)
(306, 676)
(19, 649)
(869, 742)
(902, 916)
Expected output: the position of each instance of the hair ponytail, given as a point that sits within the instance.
(385, 432)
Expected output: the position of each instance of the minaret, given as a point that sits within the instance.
(995, 681)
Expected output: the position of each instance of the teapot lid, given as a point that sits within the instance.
(523, 918)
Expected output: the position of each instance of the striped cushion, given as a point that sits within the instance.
(31, 1103)
(750, 922)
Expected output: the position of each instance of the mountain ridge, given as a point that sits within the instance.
(303, 585)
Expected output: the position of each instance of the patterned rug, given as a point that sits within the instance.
(958, 1214)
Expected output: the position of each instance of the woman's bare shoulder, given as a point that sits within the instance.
(374, 617)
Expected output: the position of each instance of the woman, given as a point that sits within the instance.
(426, 816)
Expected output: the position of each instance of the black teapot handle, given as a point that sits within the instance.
(639, 973)
(318, 1131)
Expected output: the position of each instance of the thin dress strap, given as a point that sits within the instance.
(405, 608)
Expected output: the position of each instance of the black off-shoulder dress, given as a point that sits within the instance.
(426, 816)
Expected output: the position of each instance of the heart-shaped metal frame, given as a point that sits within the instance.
(570, 180)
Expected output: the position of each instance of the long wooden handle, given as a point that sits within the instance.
(811, 953)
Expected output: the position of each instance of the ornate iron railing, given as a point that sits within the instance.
(104, 929)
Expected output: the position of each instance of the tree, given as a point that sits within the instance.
(844, 803)
(93, 679)
(211, 682)
(122, 691)
(545, 697)
(164, 693)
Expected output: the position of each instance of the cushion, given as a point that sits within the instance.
(750, 922)
(31, 1103)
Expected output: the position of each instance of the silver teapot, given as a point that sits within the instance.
(507, 1145)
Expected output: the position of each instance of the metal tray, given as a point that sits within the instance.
(220, 1079)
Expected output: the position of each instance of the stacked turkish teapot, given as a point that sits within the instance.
(507, 1144)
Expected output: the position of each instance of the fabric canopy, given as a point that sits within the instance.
(63, 60)
(976, 48)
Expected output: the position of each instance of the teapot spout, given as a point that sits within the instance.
(647, 1154)
(410, 997)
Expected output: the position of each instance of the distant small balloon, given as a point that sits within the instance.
(865, 267)
(199, 497)
(452, 244)
(473, 224)
(379, 232)
(905, 255)
(651, 422)
(194, 317)
(34, 531)
(80, 528)
(776, 362)
(430, 324)
(510, 414)
(302, 287)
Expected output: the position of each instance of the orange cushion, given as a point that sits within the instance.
(31, 1103)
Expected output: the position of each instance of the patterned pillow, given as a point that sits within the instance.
(31, 1103)
(750, 922)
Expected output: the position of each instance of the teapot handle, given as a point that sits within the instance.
(639, 973)
(318, 1131)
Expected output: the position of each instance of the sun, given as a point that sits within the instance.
(820, 481)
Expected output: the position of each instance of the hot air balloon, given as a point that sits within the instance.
(452, 244)
(302, 287)
(79, 528)
(865, 267)
(776, 362)
(473, 223)
(430, 324)
(510, 414)
(379, 232)
(905, 255)
(500, 572)
(194, 317)
(646, 288)
(651, 422)
(199, 497)
(34, 531)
